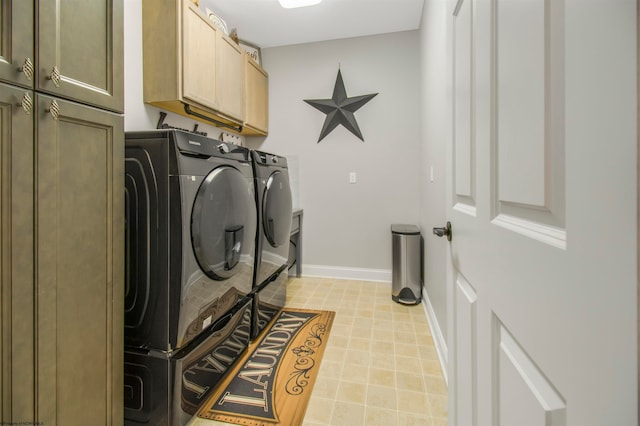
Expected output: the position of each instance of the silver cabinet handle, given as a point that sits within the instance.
(54, 110)
(27, 68)
(55, 76)
(26, 103)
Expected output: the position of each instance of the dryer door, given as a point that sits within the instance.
(276, 217)
(223, 223)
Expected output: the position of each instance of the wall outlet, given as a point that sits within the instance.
(352, 177)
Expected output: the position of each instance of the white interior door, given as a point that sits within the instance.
(542, 191)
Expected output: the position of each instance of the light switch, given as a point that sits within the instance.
(352, 177)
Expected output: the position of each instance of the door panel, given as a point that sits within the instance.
(16, 257)
(528, 147)
(542, 296)
(465, 313)
(524, 396)
(88, 69)
(464, 148)
(16, 42)
(80, 267)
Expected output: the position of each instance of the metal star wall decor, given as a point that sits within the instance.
(340, 109)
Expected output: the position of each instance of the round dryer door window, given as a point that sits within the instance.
(276, 219)
(223, 222)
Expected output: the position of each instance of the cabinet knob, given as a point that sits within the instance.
(26, 103)
(54, 110)
(55, 76)
(27, 68)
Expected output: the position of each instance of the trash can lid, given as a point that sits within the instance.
(405, 229)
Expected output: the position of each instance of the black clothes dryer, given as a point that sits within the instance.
(190, 244)
(273, 198)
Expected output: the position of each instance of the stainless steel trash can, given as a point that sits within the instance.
(406, 274)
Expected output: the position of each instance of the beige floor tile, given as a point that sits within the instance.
(356, 373)
(382, 360)
(336, 341)
(334, 354)
(352, 392)
(438, 405)
(380, 377)
(439, 421)
(375, 416)
(407, 349)
(411, 419)
(361, 332)
(410, 381)
(325, 387)
(331, 369)
(319, 410)
(431, 367)
(413, 402)
(403, 337)
(384, 335)
(427, 351)
(359, 344)
(408, 364)
(345, 413)
(356, 357)
(341, 330)
(435, 385)
(381, 397)
(383, 347)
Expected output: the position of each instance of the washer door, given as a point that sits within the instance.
(276, 218)
(222, 222)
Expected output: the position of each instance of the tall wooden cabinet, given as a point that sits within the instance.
(61, 198)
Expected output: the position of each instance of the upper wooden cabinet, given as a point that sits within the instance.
(191, 67)
(257, 99)
(88, 69)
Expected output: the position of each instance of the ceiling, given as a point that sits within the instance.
(266, 24)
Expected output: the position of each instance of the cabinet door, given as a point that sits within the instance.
(257, 98)
(80, 51)
(230, 75)
(16, 42)
(79, 282)
(198, 57)
(16, 258)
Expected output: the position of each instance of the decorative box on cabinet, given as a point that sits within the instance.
(189, 65)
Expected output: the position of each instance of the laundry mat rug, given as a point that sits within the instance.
(272, 383)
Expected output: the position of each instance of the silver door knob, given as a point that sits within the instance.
(446, 231)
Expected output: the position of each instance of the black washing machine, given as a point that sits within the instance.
(273, 198)
(190, 244)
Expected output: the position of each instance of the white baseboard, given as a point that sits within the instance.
(438, 339)
(339, 272)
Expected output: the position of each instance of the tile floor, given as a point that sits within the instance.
(380, 366)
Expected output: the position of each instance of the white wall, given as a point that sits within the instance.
(435, 131)
(347, 226)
